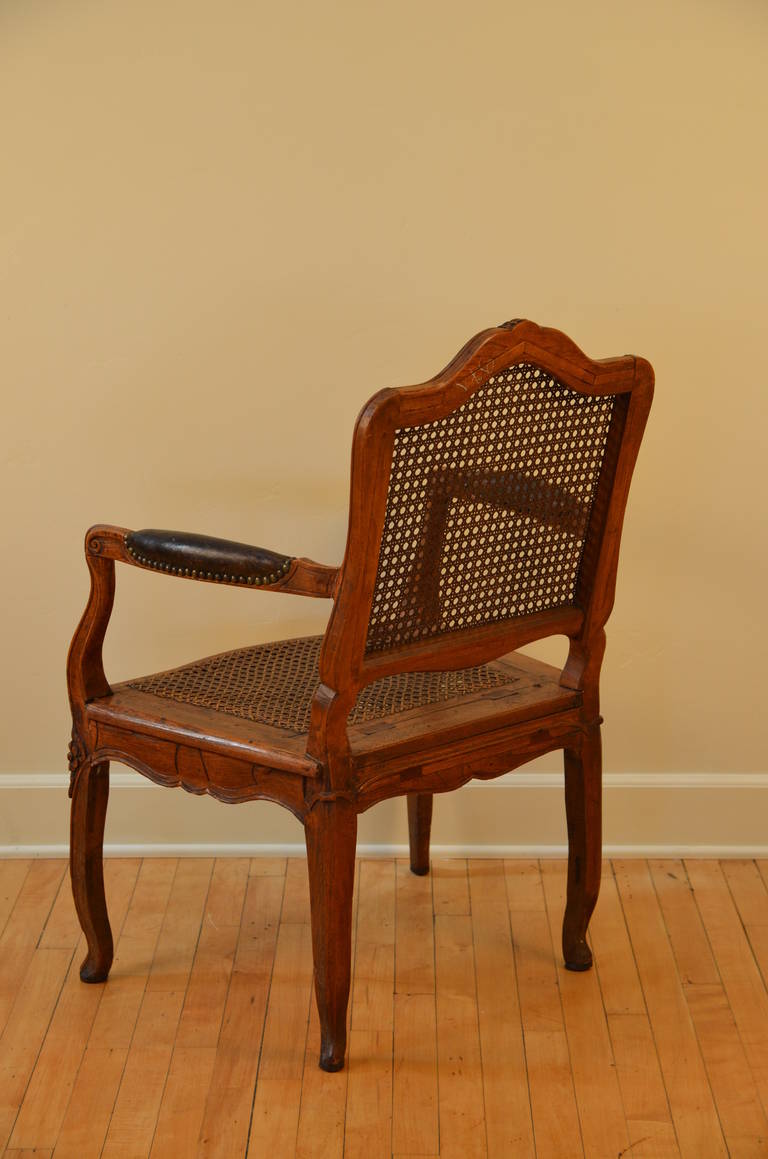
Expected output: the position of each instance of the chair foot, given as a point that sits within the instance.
(94, 971)
(330, 1062)
(420, 870)
(578, 957)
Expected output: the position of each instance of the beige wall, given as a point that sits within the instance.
(225, 225)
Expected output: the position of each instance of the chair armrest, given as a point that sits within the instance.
(221, 561)
(203, 557)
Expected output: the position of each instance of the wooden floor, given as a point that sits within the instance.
(467, 1036)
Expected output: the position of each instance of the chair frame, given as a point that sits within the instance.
(326, 786)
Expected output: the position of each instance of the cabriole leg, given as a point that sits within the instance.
(89, 808)
(419, 826)
(331, 835)
(583, 805)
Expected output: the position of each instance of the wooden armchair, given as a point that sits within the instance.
(486, 510)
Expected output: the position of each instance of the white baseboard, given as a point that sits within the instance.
(518, 815)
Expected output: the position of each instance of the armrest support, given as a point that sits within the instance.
(222, 561)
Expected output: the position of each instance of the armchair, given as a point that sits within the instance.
(485, 513)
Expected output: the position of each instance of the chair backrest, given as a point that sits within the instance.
(486, 506)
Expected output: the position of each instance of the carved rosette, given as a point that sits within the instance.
(77, 757)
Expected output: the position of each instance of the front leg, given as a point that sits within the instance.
(331, 835)
(583, 804)
(90, 791)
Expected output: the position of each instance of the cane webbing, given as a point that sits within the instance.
(488, 508)
(274, 683)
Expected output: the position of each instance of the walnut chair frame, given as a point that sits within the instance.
(400, 612)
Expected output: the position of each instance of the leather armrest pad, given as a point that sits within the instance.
(203, 557)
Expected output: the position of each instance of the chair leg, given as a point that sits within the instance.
(583, 801)
(331, 835)
(419, 826)
(89, 808)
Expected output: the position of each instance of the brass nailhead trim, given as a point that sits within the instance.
(258, 581)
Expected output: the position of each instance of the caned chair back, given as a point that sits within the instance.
(486, 506)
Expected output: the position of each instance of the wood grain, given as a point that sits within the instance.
(509, 1127)
(50, 1088)
(601, 1112)
(415, 1089)
(690, 1097)
(368, 1128)
(139, 1067)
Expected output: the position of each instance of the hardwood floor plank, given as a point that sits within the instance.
(183, 1103)
(471, 1043)
(509, 1126)
(612, 949)
(275, 1118)
(690, 944)
(601, 1111)
(34, 900)
(25, 1030)
(13, 873)
(460, 1077)
(649, 1121)
(368, 1125)
(523, 882)
(415, 1094)
(450, 886)
(50, 1088)
(267, 866)
(733, 1086)
(553, 1103)
(88, 1113)
(691, 1103)
(741, 1114)
(226, 1121)
(749, 892)
(741, 977)
(24, 926)
(134, 1117)
(206, 995)
(323, 1109)
(374, 975)
(62, 929)
(415, 942)
(180, 932)
(87, 1121)
(296, 899)
(556, 1127)
(323, 1101)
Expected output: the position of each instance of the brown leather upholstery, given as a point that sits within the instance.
(203, 557)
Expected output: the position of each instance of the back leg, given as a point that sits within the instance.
(419, 826)
(583, 786)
